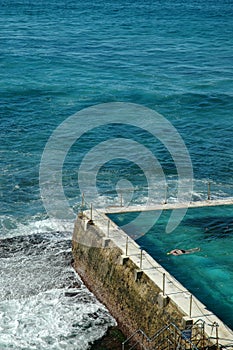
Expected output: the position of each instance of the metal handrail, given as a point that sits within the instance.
(152, 339)
(138, 331)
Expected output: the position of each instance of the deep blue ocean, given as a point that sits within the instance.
(60, 57)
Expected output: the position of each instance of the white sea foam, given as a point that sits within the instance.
(52, 320)
(43, 303)
(12, 226)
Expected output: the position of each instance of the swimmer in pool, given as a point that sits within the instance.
(183, 251)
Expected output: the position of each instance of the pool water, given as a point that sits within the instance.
(208, 274)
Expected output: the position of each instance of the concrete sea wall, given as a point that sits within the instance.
(133, 303)
(134, 296)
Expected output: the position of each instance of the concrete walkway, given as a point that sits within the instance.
(162, 206)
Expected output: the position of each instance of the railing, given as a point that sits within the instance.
(207, 190)
(168, 337)
(171, 337)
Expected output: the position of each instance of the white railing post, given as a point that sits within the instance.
(91, 212)
(208, 197)
(126, 246)
(166, 194)
(190, 305)
(164, 275)
(140, 259)
(108, 228)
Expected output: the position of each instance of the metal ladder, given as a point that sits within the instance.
(170, 337)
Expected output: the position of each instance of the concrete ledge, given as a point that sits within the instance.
(106, 242)
(164, 206)
(187, 322)
(162, 300)
(137, 275)
(90, 222)
(123, 259)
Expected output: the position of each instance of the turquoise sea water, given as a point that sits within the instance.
(208, 273)
(59, 57)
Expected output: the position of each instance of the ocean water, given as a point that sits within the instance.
(58, 58)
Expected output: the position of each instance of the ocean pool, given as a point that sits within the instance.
(207, 274)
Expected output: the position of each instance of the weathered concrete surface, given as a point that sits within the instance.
(133, 303)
